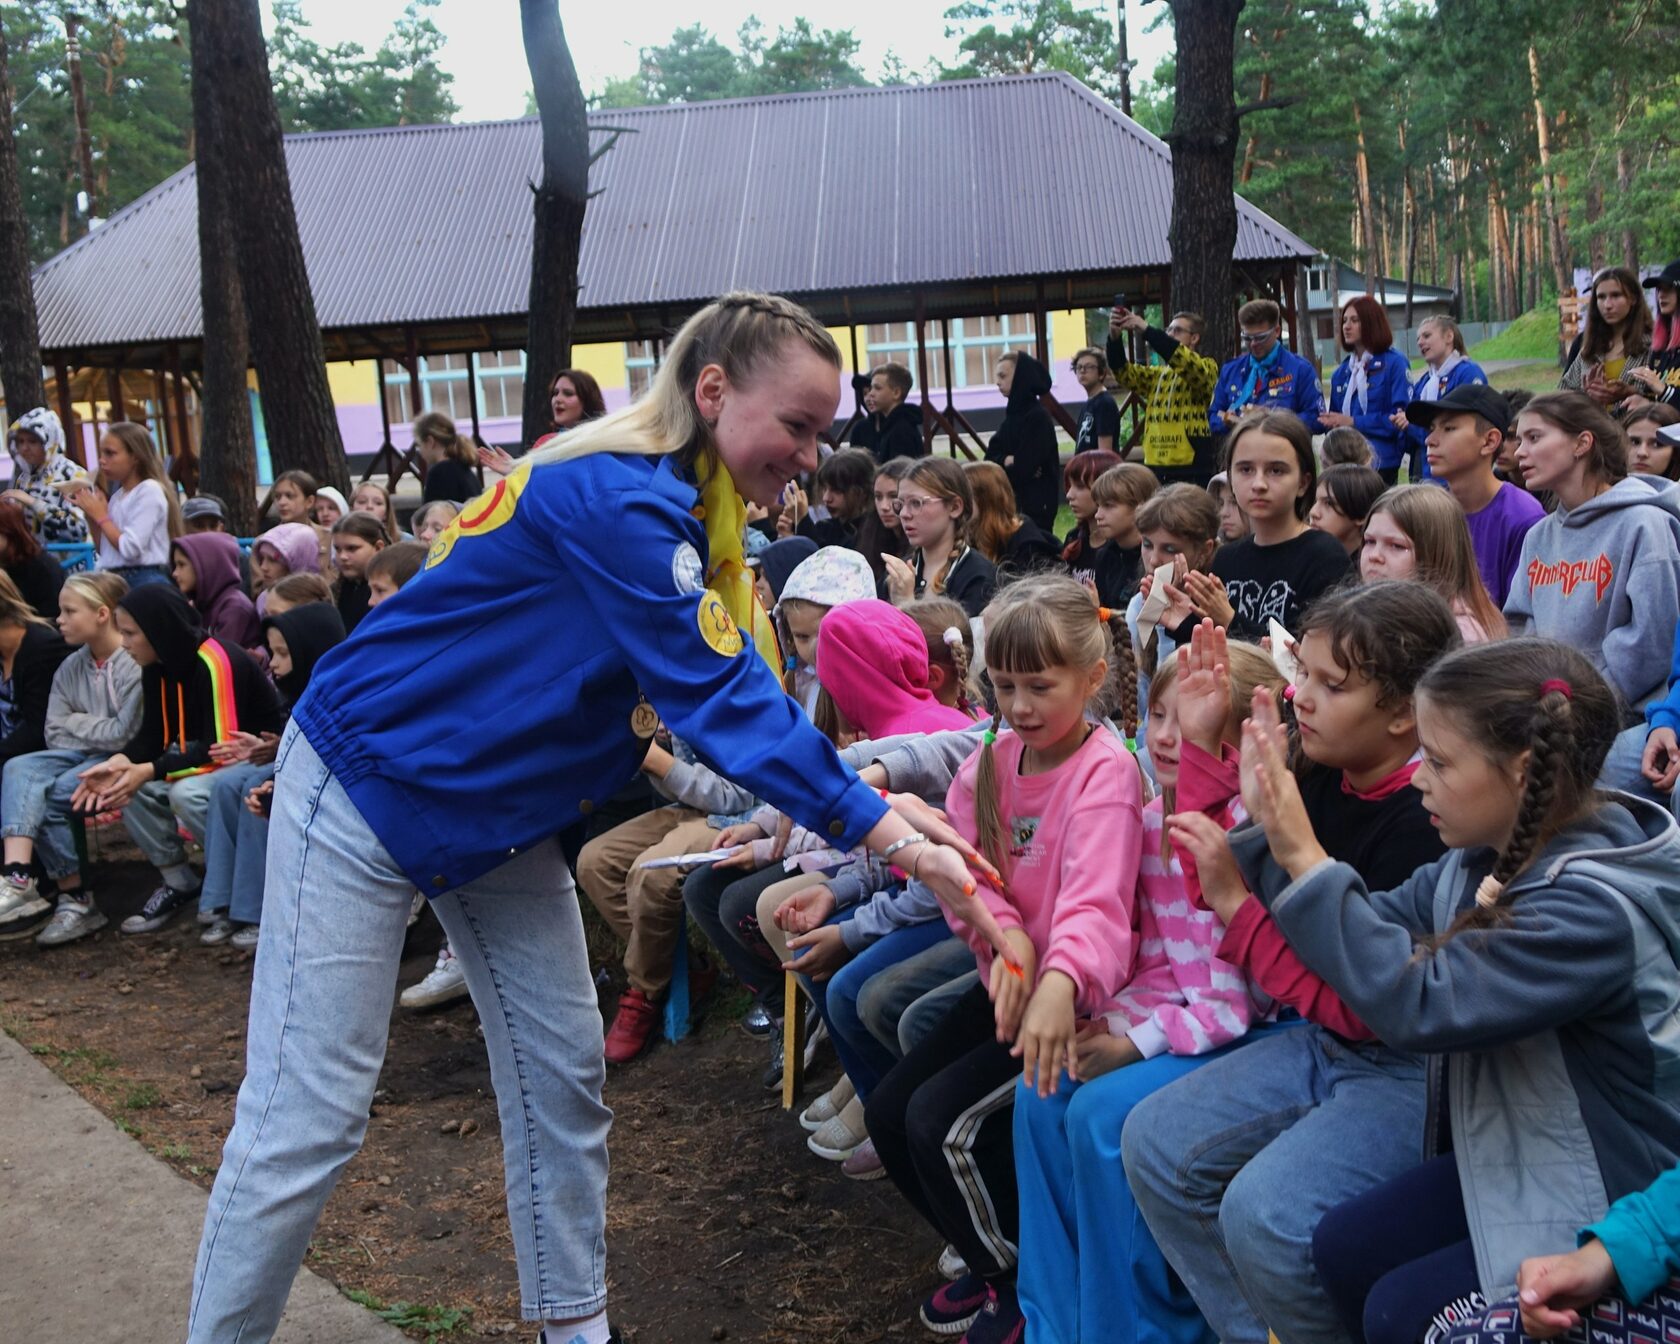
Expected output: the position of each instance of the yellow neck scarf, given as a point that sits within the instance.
(725, 518)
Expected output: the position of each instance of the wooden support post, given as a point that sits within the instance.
(950, 382)
(412, 360)
(67, 411)
(472, 410)
(114, 389)
(187, 451)
(1041, 324)
(922, 375)
(793, 1040)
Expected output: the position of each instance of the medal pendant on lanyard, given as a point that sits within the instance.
(644, 719)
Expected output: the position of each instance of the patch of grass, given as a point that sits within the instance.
(1531, 336)
(435, 1321)
(128, 1127)
(1539, 376)
(81, 1066)
(175, 1152)
(141, 1097)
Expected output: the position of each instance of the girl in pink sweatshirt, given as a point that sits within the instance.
(1055, 801)
(1089, 1269)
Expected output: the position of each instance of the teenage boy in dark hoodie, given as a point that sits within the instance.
(897, 424)
(236, 832)
(195, 691)
(1024, 445)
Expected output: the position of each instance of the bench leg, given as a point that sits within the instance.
(793, 1041)
(676, 998)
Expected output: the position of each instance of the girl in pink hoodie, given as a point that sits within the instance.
(289, 548)
(1055, 802)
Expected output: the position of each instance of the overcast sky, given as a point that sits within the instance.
(484, 53)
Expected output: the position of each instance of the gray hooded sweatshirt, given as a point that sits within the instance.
(1604, 578)
(94, 709)
(1558, 1031)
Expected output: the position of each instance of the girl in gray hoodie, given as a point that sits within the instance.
(1536, 963)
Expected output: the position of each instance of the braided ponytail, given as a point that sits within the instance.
(1535, 696)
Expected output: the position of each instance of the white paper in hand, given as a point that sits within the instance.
(1283, 652)
(692, 860)
(1149, 614)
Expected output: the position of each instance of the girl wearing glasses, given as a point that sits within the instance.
(936, 509)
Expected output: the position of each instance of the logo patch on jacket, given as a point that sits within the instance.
(687, 573)
(717, 626)
(1571, 574)
(489, 511)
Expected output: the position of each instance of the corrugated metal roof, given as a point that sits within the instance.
(823, 193)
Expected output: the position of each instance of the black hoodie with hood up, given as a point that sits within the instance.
(179, 691)
(309, 631)
(1024, 445)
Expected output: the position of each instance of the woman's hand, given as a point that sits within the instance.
(93, 504)
(1204, 840)
(1399, 421)
(1010, 988)
(1648, 379)
(1097, 1051)
(1045, 1043)
(1204, 687)
(824, 952)
(1207, 594)
(1334, 419)
(806, 910)
(1270, 792)
(1552, 1289)
(945, 873)
(901, 580)
(494, 460)
(1661, 762)
(923, 816)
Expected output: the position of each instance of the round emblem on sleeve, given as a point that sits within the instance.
(687, 573)
(717, 626)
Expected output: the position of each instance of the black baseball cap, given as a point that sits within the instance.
(1478, 398)
(1670, 276)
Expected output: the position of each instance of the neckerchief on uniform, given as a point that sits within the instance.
(1258, 371)
(725, 518)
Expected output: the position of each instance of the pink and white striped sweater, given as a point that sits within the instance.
(1181, 998)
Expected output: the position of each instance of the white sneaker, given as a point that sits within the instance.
(210, 916)
(244, 937)
(842, 1136)
(951, 1263)
(72, 920)
(414, 909)
(446, 983)
(23, 910)
(217, 929)
(15, 894)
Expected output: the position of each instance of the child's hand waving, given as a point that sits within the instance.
(1203, 840)
(1204, 687)
(1271, 794)
(1207, 592)
(1049, 1034)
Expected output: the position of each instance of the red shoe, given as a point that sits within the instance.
(633, 1024)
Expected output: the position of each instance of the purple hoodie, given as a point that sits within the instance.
(228, 614)
(294, 543)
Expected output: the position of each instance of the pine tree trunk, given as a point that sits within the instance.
(1595, 211)
(557, 233)
(285, 337)
(1367, 224)
(1556, 243)
(227, 441)
(1624, 186)
(20, 341)
(1409, 222)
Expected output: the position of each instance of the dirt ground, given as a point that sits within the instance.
(720, 1224)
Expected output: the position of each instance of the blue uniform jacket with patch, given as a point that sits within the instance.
(486, 706)
(1388, 387)
(1291, 386)
(1465, 373)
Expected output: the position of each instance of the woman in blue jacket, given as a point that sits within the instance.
(1446, 365)
(1371, 384)
(594, 591)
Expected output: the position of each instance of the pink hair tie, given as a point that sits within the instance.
(1563, 688)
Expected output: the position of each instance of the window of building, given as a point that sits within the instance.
(443, 386)
(976, 342)
(1325, 328)
(641, 359)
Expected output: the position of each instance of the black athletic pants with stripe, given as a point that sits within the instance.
(943, 1124)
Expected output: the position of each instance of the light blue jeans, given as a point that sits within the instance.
(1090, 1273)
(884, 998)
(235, 845)
(1234, 1165)
(334, 914)
(928, 1011)
(1621, 767)
(865, 1060)
(152, 815)
(35, 795)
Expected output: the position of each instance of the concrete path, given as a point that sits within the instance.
(97, 1237)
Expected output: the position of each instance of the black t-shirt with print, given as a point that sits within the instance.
(1278, 581)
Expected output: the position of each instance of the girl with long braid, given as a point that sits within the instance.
(936, 508)
(1534, 964)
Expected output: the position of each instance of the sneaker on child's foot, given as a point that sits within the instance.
(1000, 1321)
(951, 1263)
(864, 1164)
(633, 1026)
(23, 910)
(446, 983)
(72, 920)
(839, 1138)
(954, 1307)
(160, 907)
(217, 929)
(210, 916)
(244, 937)
(827, 1106)
(16, 891)
(757, 1021)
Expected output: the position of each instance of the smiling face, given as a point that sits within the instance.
(1266, 476)
(1388, 552)
(1471, 799)
(1046, 709)
(1161, 733)
(766, 429)
(1342, 725)
(291, 505)
(1647, 454)
(1432, 344)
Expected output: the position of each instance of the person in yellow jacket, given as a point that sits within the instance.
(1176, 393)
